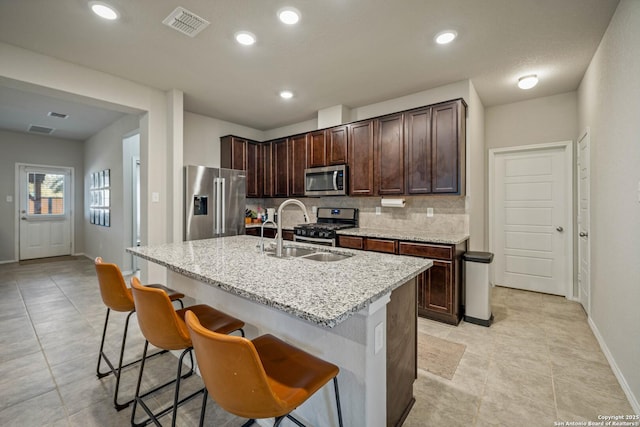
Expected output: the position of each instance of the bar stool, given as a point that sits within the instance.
(117, 297)
(260, 378)
(164, 327)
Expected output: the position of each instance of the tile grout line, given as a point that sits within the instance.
(44, 355)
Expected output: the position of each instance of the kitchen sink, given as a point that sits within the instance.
(327, 256)
(294, 251)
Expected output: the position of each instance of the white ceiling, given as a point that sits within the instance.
(343, 52)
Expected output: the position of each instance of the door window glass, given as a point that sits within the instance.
(46, 193)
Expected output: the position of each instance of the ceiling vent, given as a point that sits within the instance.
(41, 129)
(57, 115)
(186, 22)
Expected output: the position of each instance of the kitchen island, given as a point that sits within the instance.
(357, 313)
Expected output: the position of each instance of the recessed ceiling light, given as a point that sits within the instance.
(527, 82)
(104, 10)
(245, 37)
(447, 36)
(286, 94)
(289, 15)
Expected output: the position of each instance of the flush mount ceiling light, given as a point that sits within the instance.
(245, 38)
(445, 37)
(286, 94)
(104, 10)
(527, 82)
(289, 15)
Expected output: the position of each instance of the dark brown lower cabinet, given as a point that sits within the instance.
(402, 348)
(440, 287)
(268, 232)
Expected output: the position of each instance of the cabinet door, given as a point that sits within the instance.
(337, 145)
(254, 170)
(280, 168)
(317, 149)
(297, 164)
(267, 169)
(418, 151)
(390, 155)
(233, 152)
(435, 288)
(445, 148)
(361, 155)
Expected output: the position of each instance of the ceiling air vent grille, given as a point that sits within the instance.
(186, 22)
(57, 115)
(41, 129)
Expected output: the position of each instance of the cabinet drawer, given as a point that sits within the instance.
(426, 251)
(350, 242)
(381, 245)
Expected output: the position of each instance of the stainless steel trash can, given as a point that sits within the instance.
(477, 288)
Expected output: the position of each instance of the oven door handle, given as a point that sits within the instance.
(297, 238)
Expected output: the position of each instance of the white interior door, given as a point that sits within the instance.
(45, 211)
(584, 247)
(531, 219)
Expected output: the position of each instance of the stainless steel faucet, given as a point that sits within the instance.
(262, 233)
(282, 205)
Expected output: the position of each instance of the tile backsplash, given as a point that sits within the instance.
(449, 214)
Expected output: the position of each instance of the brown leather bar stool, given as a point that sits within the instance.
(260, 378)
(117, 297)
(164, 327)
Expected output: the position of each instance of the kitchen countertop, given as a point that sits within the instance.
(324, 293)
(414, 235)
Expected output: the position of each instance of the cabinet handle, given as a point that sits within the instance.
(583, 234)
(560, 229)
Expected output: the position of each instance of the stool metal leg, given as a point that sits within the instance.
(153, 418)
(112, 369)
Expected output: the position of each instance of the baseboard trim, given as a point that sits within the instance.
(633, 401)
(9, 261)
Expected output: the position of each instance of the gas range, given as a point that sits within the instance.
(329, 221)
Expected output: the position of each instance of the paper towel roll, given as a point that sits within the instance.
(392, 203)
(271, 214)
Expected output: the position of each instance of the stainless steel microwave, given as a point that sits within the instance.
(326, 181)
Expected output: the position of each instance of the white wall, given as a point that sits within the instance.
(102, 151)
(609, 104)
(476, 179)
(42, 150)
(536, 121)
(202, 138)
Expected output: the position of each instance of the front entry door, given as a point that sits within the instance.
(532, 219)
(45, 211)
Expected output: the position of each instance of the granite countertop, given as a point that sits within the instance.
(324, 293)
(414, 235)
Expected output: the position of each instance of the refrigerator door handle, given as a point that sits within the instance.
(216, 187)
(223, 197)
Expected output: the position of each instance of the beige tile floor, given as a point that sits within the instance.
(538, 363)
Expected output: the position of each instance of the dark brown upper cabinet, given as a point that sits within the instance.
(317, 149)
(267, 169)
(243, 154)
(280, 164)
(361, 158)
(447, 147)
(327, 147)
(418, 151)
(337, 141)
(434, 149)
(389, 164)
(297, 164)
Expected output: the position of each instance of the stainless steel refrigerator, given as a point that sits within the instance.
(214, 202)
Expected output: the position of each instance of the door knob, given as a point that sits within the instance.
(560, 229)
(583, 234)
